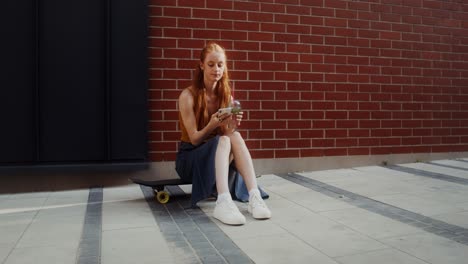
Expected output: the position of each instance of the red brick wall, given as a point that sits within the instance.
(321, 78)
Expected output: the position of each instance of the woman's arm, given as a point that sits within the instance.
(188, 117)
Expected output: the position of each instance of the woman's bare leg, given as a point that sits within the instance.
(222, 164)
(244, 164)
(225, 210)
(243, 160)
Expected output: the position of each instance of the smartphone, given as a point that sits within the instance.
(226, 110)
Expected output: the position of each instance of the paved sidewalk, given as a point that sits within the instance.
(407, 213)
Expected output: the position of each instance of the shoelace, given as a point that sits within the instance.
(257, 202)
(231, 205)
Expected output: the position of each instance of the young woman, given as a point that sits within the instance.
(210, 142)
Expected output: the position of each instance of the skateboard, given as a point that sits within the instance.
(160, 187)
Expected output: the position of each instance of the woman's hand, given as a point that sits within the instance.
(238, 118)
(220, 119)
(234, 122)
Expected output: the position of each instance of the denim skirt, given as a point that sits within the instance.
(196, 165)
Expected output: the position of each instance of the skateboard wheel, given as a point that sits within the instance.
(162, 197)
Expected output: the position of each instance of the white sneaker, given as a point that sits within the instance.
(258, 208)
(227, 212)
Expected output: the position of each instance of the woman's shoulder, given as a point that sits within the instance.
(186, 94)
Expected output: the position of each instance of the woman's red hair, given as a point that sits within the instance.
(222, 90)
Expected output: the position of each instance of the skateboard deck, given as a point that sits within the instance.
(160, 187)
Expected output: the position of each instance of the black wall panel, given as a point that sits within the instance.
(129, 73)
(17, 81)
(74, 81)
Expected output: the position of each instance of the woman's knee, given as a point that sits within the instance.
(224, 142)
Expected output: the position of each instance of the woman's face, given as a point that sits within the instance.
(213, 66)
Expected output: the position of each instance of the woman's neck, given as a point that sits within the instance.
(210, 87)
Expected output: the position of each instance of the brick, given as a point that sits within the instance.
(299, 105)
(246, 6)
(364, 15)
(311, 133)
(347, 106)
(286, 18)
(347, 124)
(247, 65)
(359, 133)
(260, 36)
(323, 124)
(381, 115)
(261, 154)
(412, 140)
(370, 52)
(288, 115)
(349, 88)
(346, 142)
(163, 21)
(298, 67)
(176, 12)
(369, 124)
(358, 42)
(291, 153)
(274, 66)
(272, 8)
(234, 35)
(273, 105)
(323, 105)
(323, 87)
(238, 75)
(381, 132)
(252, 144)
(273, 86)
(298, 29)
(299, 10)
(286, 38)
(162, 126)
(350, 14)
(336, 133)
(335, 152)
(218, 4)
(262, 115)
(280, 95)
(323, 143)
(273, 144)
(401, 115)
(316, 30)
(206, 34)
(318, 96)
(299, 143)
(359, 115)
(257, 95)
(247, 124)
(358, 151)
(233, 15)
(261, 134)
(272, 27)
(312, 152)
(219, 24)
(164, 146)
(286, 76)
(315, 77)
(260, 17)
(312, 114)
(287, 134)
